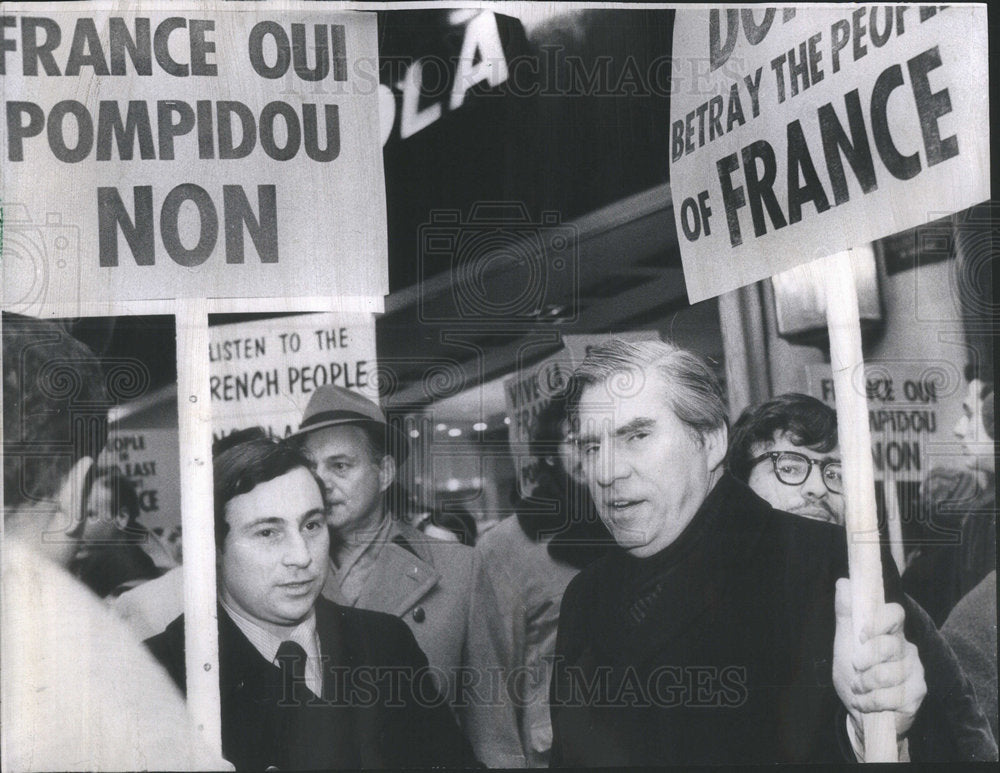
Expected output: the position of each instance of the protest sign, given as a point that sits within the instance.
(263, 373)
(815, 133)
(148, 457)
(211, 150)
(526, 394)
(795, 135)
(906, 403)
(142, 443)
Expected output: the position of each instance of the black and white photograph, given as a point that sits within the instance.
(496, 385)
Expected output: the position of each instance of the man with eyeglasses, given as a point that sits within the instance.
(786, 451)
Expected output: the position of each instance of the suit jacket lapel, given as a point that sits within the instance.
(254, 732)
(241, 666)
(403, 574)
(349, 732)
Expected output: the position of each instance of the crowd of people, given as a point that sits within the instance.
(673, 591)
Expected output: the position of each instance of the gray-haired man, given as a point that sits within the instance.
(714, 634)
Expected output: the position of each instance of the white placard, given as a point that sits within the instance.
(263, 373)
(906, 401)
(796, 134)
(211, 150)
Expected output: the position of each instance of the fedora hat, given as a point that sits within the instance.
(333, 406)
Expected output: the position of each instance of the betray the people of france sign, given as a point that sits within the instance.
(809, 131)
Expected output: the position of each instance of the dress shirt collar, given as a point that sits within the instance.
(266, 643)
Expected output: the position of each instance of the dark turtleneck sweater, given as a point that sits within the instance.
(719, 649)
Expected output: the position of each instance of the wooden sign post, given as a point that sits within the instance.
(861, 519)
(201, 631)
(764, 186)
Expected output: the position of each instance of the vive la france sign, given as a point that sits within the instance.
(797, 133)
(189, 150)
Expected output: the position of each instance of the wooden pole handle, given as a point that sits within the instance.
(201, 640)
(863, 549)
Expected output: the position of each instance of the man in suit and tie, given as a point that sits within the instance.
(305, 683)
(378, 560)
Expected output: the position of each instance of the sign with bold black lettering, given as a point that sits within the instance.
(798, 135)
(148, 457)
(912, 408)
(527, 394)
(263, 373)
(156, 152)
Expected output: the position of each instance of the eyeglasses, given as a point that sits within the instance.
(793, 468)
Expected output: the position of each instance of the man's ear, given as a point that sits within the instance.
(716, 443)
(386, 472)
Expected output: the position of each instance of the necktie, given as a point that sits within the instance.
(292, 662)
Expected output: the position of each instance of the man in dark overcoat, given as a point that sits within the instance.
(786, 450)
(719, 631)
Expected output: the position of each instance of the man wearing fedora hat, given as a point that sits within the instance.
(378, 561)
